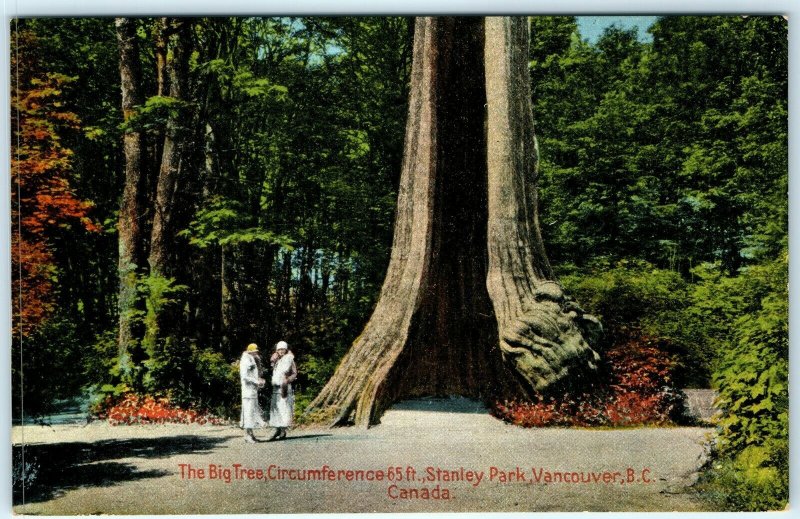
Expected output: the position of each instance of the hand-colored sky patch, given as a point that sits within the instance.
(591, 27)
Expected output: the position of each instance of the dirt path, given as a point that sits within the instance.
(137, 470)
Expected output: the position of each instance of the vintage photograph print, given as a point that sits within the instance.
(398, 264)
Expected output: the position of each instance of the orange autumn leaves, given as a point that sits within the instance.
(134, 409)
(42, 200)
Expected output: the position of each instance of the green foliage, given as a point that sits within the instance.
(756, 479)
(284, 214)
(239, 82)
(663, 181)
(316, 370)
(219, 224)
(45, 367)
(154, 114)
(194, 377)
(158, 293)
(750, 471)
(737, 329)
(753, 378)
(189, 375)
(327, 334)
(635, 295)
(673, 152)
(732, 327)
(631, 293)
(102, 367)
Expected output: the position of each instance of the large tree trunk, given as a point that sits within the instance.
(131, 246)
(466, 307)
(541, 331)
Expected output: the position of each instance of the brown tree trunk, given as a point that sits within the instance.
(468, 305)
(131, 247)
(161, 35)
(172, 156)
(542, 333)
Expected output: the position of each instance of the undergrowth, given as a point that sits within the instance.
(637, 390)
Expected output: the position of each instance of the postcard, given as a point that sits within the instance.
(308, 264)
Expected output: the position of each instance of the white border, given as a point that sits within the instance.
(79, 8)
(24, 8)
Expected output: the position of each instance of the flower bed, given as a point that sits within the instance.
(637, 392)
(136, 409)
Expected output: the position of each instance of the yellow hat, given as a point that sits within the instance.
(252, 347)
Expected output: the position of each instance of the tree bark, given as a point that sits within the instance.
(542, 333)
(468, 305)
(132, 207)
(172, 156)
(161, 36)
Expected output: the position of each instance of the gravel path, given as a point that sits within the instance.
(452, 448)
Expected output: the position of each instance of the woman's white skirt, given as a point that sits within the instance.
(281, 410)
(251, 414)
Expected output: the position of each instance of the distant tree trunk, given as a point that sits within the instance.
(206, 273)
(227, 314)
(161, 34)
(305, 287)
(468, 305)
(172, 156)
(132, 208)
(284, 284)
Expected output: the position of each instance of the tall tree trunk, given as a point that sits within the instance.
(131, 247)
(161, 35)
(172, 156)
(541, 331)
(227, 315)
(468, 305)
(305, 287)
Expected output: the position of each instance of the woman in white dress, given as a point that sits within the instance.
(284, 372)
(250, 377)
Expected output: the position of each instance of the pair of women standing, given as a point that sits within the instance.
(284, 372)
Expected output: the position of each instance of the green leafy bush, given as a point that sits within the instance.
(750, 467)
(193, 377)
(755, 479)
(187, 374)
(43, 368)
(321, 340)
(633, 296)
(630, 293)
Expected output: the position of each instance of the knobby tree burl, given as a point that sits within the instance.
(469, 305)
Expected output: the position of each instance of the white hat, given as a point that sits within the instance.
(282, 346)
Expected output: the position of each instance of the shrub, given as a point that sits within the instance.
(195, 377)
(749, 468)
(188, 375)
(136, 409)
(47, 359)
(633, 295)
(756, 479)
(637, 391)
(319, 342)
(316, 372)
